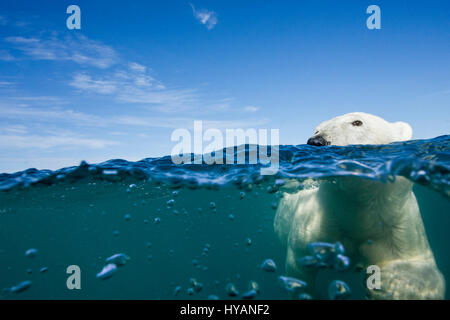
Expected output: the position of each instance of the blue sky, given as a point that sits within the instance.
(137, 70)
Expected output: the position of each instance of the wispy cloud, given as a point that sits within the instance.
(251, 109)
(15, 129)
(137, 67)
(51, 141)
(128, 82)
(78, 49)
(19, 136)
(6, 83)
(6, 56)
(38, 99)
(135, 85)
(13, 21)
(205, 17)
(85, 82)
(22, 112)
(61, 116)
(72, 123)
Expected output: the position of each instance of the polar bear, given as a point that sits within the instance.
(378, 223)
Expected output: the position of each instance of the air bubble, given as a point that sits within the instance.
(177, 290)
(107, 271)
(249, 295)
(253, 285)
(31, 253)
(22, 286)
(269, 265)
(338, 290)
(119, 259)
(291, 284)
(231, 290)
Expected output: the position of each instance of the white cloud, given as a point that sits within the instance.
(68, 116)
(129, 82)
(78, 49)
(85, 82)
(5, 83)
(51, 141)
(135, 85)
(14, 129)
(20, 112)
(38, 99)
(205, 17)
(6, 56)
(137, 67)
(11, 21)
(251, 108)
(37, 122)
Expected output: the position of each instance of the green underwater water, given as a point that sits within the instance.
(84, 222)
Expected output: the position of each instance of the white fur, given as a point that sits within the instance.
(353, 211)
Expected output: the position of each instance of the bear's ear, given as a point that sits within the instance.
(402, 131)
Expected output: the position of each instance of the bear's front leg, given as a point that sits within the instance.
(412, 279)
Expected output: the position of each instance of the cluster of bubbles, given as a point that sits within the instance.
(196, 287)
(325, 255)
(252, 291)
(24, 285)
(329, 255)
(322, 255)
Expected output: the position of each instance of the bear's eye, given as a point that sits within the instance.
(357, 123)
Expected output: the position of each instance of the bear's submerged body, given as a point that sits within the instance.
(378, 223)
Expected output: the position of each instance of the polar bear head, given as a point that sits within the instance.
(359, 128)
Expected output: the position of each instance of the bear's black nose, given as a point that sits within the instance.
(317, 141)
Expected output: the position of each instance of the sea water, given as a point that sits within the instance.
(155, 230)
